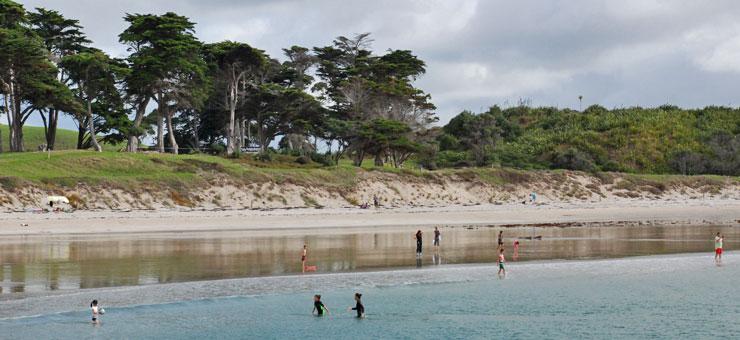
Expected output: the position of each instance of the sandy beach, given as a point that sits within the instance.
(331, 220)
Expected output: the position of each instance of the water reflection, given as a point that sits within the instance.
(32, 264)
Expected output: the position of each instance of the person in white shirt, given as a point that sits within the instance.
(96, 311)
(718, 240)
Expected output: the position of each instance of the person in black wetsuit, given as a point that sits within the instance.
(358, 306)
(500, 239)
(418, 242)
(318, 306)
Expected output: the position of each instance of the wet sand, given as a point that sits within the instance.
(37, 264)
(319, 221)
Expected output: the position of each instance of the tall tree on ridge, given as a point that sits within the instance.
(95, 75)
(27, 78)
(61, 37)
(166, 66)
(236, 67)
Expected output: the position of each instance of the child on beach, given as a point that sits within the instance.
(358, 306)
(437, 236)
(418, 242)
(501, 261)
(303, 258)
(718, 240)
(318, 306)
(96, 312)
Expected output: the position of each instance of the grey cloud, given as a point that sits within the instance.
(479, 52)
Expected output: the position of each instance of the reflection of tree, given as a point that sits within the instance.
(50, 264)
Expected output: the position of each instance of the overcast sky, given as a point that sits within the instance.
(479, 53)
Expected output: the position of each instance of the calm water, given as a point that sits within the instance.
(661, 297)
(33, 265)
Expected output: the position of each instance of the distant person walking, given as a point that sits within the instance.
(501, 260)
(501, 239)
(516, 249)
(418, 242)
(718, 244)
(376, 202)
(318, 306)
(303, 258)
(437, 236)
(358, 306)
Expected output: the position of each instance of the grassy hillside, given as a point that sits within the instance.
(67, 168)
(665, 139)
(112, 180)
(33, 136)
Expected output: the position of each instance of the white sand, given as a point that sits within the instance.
(329, 220)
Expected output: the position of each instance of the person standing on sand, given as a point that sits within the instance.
(303, 258)
(516, 249)
(418, 242)
(501, 260)
(437, 237)
(718, 243)
(376, 202)
(501, 239)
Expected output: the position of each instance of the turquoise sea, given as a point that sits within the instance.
(682, 296)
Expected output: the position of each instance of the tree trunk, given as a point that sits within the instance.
(91, 127)
(160, 130)
(359, 156)
(16, 129)
(171, 132)
(133, 137)
(15, 117)
(379, 159)
(51, 133)
(81, 129)
(232, 100)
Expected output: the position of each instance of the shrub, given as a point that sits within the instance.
(573, 159)
(302, 160)
(451, 158)
(263, 157)
(324, 159)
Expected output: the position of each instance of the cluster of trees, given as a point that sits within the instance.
(189, 94)
(666, 139)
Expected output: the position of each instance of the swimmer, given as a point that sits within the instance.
(318, 306)
(358, 306)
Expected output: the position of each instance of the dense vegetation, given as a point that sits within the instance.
(224, 96)
(325, 104)
(666, 139)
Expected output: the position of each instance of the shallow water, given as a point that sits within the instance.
(32, 265)
(666, 297)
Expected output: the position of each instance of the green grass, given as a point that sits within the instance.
(33, 136)
(137, 172)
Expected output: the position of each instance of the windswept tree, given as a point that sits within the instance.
(27, 78)
(166, 66)
(61, 37)
(236, 73)
(275, 108)
(95, 76)
(359, 87)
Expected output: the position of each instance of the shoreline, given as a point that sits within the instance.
(56, 302)
(350, 220)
